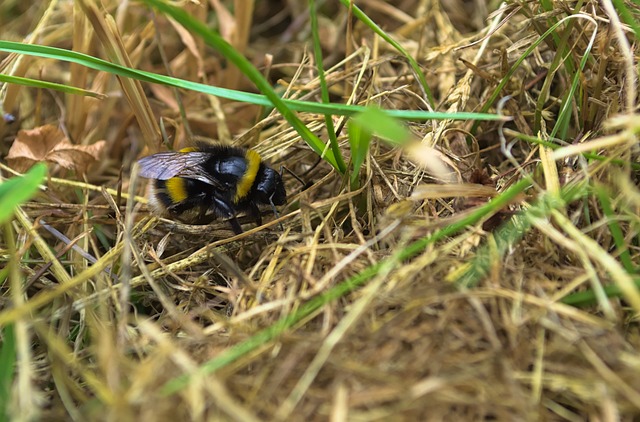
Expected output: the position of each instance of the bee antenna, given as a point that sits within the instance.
(304, 184)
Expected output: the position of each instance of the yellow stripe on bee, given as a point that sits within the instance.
(176, 189)
(189, 149)
(249, 176)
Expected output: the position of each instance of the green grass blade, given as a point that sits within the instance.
(359, 140)
(510, 233)
(554, 67)
(34, 83)
(380, 124)
(614, 228)
(7, 368)
(627, 17)
(503, 82)
(589, 297)
(362, 127)
(235, 352)
(216, 41)
(324, 90)
(297, 105)
(564, 117)
(587, 155)
(361, 16)
(17, 190)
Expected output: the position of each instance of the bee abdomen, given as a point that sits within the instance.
(159, 198)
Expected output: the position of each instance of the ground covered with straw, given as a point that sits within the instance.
(478, 268)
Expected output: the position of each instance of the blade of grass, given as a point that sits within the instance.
(627, 16)
(382, 125)
(589, 297)
(510, 233)
(34, 83)
(359, 140)
(360, 15)
(216, 41)
(587, 155)
(561, 56)
(24, 405)
(17, 190)
(562, 125)
(324, 91)
(106, 31)
(297, 105)
(507, 77)
(362, 127)
(286, 322)
(597, 254)
(7, 368)
(614, 228)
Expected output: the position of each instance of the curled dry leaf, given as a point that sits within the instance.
(48, 143)
(434, 162)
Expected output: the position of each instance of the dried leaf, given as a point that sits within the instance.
(48, 143)
(434, 162)
(192, 46)
(228, 27)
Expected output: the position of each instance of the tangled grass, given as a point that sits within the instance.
(478, 269)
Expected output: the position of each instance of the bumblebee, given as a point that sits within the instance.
(199, 184)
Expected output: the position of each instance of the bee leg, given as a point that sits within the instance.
(180, 208)
(186, 204)
(222, 207)
(203, 218)
(275, 210)
(235, 226)
(254, 211)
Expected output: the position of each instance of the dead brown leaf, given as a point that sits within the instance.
(48, 143)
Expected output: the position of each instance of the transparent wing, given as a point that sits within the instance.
(166, 165)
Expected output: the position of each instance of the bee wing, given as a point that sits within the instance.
(166, 165)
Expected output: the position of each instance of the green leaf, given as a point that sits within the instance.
(18, 190)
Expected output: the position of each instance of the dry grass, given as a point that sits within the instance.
(100, 339)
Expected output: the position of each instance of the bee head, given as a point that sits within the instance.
(269, 187)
